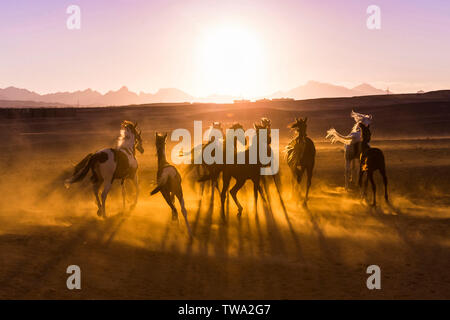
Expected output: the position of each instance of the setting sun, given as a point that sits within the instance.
(231, 61)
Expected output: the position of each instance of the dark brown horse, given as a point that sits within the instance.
(243, 172)
(372, 159)
(301, 154)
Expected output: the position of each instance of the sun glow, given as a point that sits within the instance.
(231, 62)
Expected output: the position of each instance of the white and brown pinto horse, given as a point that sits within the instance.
(110, 164)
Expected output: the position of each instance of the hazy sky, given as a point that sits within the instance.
(242, 47)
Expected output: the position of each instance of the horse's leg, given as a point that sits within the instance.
(374, 188)
(223, 195)
(96, 189)
(179, 195)
(383, 174)
(366, 183)
(361, 173)
(123, 194)
(309, 173)
(347, 171)
(168, 197)
(299, 174)
(353, 171)
(106, 187)
(213, 190)
(216, 179)
(261, 193)
(293, 184)
(255, 195)
(136, 187)
(233, 192)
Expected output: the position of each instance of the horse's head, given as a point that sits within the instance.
(131, 130)
(160, 141)
(217, 125)
(236, 126)
(258, 127)
(299, 125)
(138, 141)
(266, 123)
(261, 126)
(366, 119)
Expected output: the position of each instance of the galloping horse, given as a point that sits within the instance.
(243, 172)
(206, 171)
(372, 159)
(169, 180)
(110, 164)
(301, 152)
(351, 144)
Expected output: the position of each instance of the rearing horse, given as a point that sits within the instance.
(110, 164)
(351, 144)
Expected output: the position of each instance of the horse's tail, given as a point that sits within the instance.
(189, 168)
(334, 136)
(80, 170)
(204, 178)
(156, 190)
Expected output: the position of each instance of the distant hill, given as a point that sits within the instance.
(367, 90)
(314, 90)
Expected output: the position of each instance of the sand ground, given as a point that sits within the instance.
(278, 250)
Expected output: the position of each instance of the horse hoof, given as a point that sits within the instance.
(99, 213)
(239, 214)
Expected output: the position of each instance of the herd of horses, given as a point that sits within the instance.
(119, 163)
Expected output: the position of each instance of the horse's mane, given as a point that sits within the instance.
(123, 132)
(366, 119)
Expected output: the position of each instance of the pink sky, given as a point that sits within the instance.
(246, 47)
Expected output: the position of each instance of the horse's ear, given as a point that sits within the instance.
(165, 136)
(306, 119)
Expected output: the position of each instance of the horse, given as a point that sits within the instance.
(301, 152)
(169, 180)
(110, 164)
(241, 173)
(372, 159)
(351, 144)
(203, 170)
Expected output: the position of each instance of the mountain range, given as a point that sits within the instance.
(123, 96)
